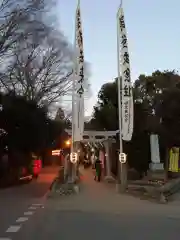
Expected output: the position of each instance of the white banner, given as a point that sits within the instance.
(79, 88)
(127, 112)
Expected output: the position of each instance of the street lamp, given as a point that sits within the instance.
(92, 150)
(68, 143)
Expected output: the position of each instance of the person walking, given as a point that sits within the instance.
(98, 170)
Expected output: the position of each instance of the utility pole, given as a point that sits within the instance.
(121, 184)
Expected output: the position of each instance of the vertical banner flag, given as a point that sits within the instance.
(79, 88)
(127, 107)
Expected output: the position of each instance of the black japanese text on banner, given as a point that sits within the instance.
(126, 86)
(79, 95)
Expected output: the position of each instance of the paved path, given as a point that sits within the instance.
(18, 203)
(99, 213)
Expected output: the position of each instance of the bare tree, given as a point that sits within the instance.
(39, 63)
(29, 54)
(41, 71)
(16, 21)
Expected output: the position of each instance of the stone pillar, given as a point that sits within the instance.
(66, 167)
(108, 176)
(156, 167)
(101, 157)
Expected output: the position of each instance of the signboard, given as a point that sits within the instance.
(122, 157)
(174, 160)
(56, 152)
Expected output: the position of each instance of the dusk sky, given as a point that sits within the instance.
(153, 28)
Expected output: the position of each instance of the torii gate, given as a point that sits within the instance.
(96, 136)
(104, 137)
